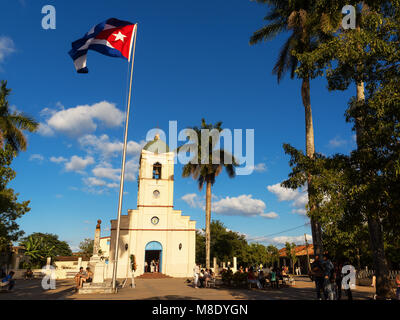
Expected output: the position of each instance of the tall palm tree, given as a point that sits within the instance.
(306, 31)
(205, 172)
(13, 123)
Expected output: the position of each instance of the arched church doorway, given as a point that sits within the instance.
(153, 257)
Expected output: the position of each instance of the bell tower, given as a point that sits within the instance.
(156, 175)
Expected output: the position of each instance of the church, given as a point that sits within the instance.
(154, 232)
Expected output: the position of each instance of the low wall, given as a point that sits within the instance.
(64, 270)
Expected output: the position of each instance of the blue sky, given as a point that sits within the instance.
(192, 61)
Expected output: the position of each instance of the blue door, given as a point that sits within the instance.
(153, 253)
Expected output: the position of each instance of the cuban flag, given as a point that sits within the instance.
(112, 38)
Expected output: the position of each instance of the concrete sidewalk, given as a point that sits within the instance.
(171, 289)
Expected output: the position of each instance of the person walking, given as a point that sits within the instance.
(274, 279)
(317, 275)
(338, 280)
(329, 278)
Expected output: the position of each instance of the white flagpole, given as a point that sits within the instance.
(121, 185)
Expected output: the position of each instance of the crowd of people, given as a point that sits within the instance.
(202, 277)
(262, 277)
(328, 277)
(152, 266)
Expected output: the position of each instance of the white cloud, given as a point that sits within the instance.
(106, 171)
(131, 170)
(243, 205)
(299, 198)
(94, 182)
(201, 231)
(36, 157)
(106, 148)
(193, 200)
(337, 142)
(269, 215)
(114, 185)
(296, 239)
(281, 240)
(45, 130)
(260, 167)
(78, 164)
(300, 211)
(81, 120)
(6, 47)
(58, 159)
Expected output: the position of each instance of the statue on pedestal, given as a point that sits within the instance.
(97, 265)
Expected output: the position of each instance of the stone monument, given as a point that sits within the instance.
(96, 264)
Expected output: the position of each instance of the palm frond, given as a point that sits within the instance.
(24, 122)
(267, 32)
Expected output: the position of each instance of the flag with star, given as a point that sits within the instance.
(112, 38)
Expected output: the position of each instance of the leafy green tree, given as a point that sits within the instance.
(205, 167)
(38, 250)
(10, 208)
(12, 123)
(226, 244)
(40, 246)
(33, 249)
(200, 248)
(61, 248)
(368, 57)
(272, 255)
(257, 254)
(86, 247)
(291, 253)
(306, 31)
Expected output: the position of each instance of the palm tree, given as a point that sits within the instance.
(13, 123)
(306, 31)
(37, 250)
(206, 172)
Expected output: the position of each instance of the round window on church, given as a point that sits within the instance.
(155, 220)
(156, 193)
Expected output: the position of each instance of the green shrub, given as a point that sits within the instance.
(239, 279)
(226, 276)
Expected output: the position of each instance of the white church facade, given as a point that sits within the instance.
(155, 232)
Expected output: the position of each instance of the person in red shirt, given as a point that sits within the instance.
(251, 278)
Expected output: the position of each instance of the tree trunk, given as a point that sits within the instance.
(310, 150)
(208, 222)
(383, 285)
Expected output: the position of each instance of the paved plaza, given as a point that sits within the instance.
(171, 289)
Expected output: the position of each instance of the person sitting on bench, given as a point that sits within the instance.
(78, 277)
(252, 279)
(8, 281)
(88, 278)
(28, 274)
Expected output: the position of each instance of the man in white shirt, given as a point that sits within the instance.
(196, 272)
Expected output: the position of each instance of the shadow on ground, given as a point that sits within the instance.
(168, 289)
